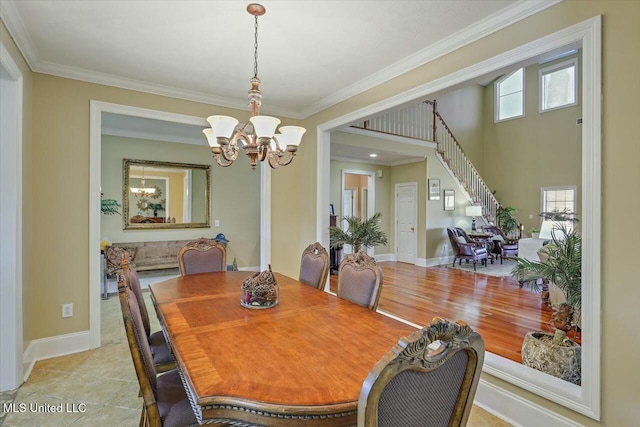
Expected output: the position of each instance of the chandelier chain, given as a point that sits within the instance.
(255, 49)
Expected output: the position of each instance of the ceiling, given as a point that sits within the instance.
(312, 53)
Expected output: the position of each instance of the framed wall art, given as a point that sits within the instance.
(449, 200)
(434, 189)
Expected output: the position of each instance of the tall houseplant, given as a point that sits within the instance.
(561, 264)
(506, 220)
(359, 234)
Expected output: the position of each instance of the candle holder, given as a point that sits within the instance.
(260, 290)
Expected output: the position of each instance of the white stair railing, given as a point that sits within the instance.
(422, 121)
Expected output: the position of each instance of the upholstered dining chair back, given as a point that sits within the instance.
(360, 280)
(160, 351)
(429, 379)
(113, 256)
(202, 256)
(165, 400)
(314, 266)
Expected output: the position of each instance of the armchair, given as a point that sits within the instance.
(464, 248)
(502, 245)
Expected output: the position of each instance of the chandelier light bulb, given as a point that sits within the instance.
(222, 126)
(264, 126)
(291, 135)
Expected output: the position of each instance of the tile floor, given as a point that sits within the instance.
(99, 387)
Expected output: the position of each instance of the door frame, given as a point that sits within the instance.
(415, 218)
(371, 186)
(11, 303)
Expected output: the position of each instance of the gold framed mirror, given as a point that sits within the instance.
(165, 195)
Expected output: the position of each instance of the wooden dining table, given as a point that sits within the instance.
(301, 362)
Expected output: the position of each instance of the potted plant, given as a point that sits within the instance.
(109, 206)
(535, 232)
(506, 220)
(359, 234)
(560, 265)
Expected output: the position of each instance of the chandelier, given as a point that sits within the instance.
(257, 137)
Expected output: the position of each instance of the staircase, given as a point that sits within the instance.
(423, 122)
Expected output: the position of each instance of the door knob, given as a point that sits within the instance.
(412, 229)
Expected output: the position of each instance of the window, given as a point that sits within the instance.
(559, 199)
(559, 85)
(510, 96)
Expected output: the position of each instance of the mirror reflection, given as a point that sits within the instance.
(165, 195)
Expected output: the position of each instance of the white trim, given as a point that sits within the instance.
(379, 162)
(434, 262)
(514, 409)
(56, 346)
(371, 185)
(11, 303)
(388, 137)
(414, 185)
(95, 142)
(589, 33)
(553, 68)
(496, 96)
(153, 136)
(478, 30)
(384, 257)
(489, 25)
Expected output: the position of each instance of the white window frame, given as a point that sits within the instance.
(553, 68)
(496, 95)
(574, 188)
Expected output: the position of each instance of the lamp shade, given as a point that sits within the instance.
(213, 142)
(291, 135)
(264, 126)
(550, 229)
(222, 126)
(473, 211)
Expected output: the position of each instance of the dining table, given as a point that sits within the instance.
(301, 362)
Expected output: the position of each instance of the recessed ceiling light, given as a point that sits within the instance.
(373, 155)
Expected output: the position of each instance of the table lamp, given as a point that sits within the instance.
(473, 212)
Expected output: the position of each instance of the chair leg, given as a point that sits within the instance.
(474, 264)
(454, 262)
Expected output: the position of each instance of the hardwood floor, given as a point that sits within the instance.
(497, 307)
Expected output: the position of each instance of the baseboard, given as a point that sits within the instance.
(60, 345)
(432, 262)
(249, 268)
(515, 409)
(385, 257)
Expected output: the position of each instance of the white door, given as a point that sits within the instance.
(406, 219)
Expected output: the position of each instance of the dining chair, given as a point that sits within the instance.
(160, 351)
(360, 280)
(503, 246)
(202, 256)
(165, 402)
(314, 266)
(428, 379)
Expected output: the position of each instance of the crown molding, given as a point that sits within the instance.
(152, 136)
(521, 9)
(489, 25)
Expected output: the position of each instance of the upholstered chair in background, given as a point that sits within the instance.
(502, 245)
(465, 250)
(360, 280)
(161, 353)
(165, 401)
(429, 379)
(202, 256)
(314, 266)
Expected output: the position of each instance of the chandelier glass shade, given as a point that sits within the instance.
(258, 137)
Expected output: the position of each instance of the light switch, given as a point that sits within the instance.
(216, 223)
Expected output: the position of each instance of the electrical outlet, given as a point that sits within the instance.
(67, 310)
(216, 223)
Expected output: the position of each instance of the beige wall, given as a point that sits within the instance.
(235, 196)
(27, 187)
(56, 153)
(620, 175)
(60, 163)
(463, 111)
(538, 150)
